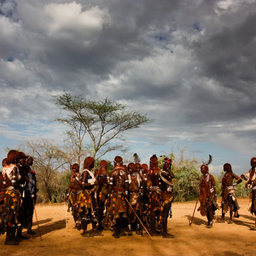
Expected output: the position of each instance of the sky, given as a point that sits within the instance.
(189, 65)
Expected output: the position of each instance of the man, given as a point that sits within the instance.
(251, 183)
(87, 202)
(74, 191)
(144, 193)
(229, 199)
(102, 175)
(166, 176)
(154, 195)
(2, 195)
(118, 190)
(207, 195)
(135, 183)
(12, 198)
(31, 190)
(25, 197)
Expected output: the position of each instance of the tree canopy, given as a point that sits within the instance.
(101, 121)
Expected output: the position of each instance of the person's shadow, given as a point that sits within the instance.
(196, 221)
(42, 230)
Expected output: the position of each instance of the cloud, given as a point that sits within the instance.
(69, 20)
(190, 67)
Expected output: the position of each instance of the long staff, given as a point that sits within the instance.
(37, 221)
(191, 221)
(138, 219)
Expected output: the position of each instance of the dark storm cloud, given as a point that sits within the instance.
(229, 57)
(190, 66)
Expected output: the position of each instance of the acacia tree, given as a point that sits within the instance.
(102, 121)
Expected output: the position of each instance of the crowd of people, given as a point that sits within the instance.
(137, 197)
(17, 197)
(130, 198)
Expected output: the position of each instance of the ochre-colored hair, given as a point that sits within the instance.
(131, 166)
(13, 156)
(103, 163)
(144, 167)
(4, 162)
(118, 159)
(253, 160)
(22, 155)
(88, 162)
(153, 161)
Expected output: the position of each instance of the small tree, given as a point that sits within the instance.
(103, 121)
(49, 163)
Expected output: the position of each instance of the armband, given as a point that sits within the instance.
(77, 179)
(126, 192)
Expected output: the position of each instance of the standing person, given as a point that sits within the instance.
(87, 202)
(118, 190)
(144, 194)
(25, 197)
(207, 195)
(251, 183)
(2, 183)
(31, 190)
(229, 199)
(102, 175)
(154, 195)
(12, 198)
(166, 176)
(74, 190)
(135, 182)
(2, 195)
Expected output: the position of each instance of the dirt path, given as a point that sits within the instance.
(61, 238)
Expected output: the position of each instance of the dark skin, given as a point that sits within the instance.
(252, 182)
(74, 186)
(168, 175)
(89, 186)
(155, 189)
(119, 182)
(11, 228)
(101, 175)
(134, 187)
(209, 196)
(144, 178)
(226, 182)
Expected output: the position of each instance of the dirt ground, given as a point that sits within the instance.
(59, 237)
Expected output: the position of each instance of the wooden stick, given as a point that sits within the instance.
(139, 219)
(190, 223)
